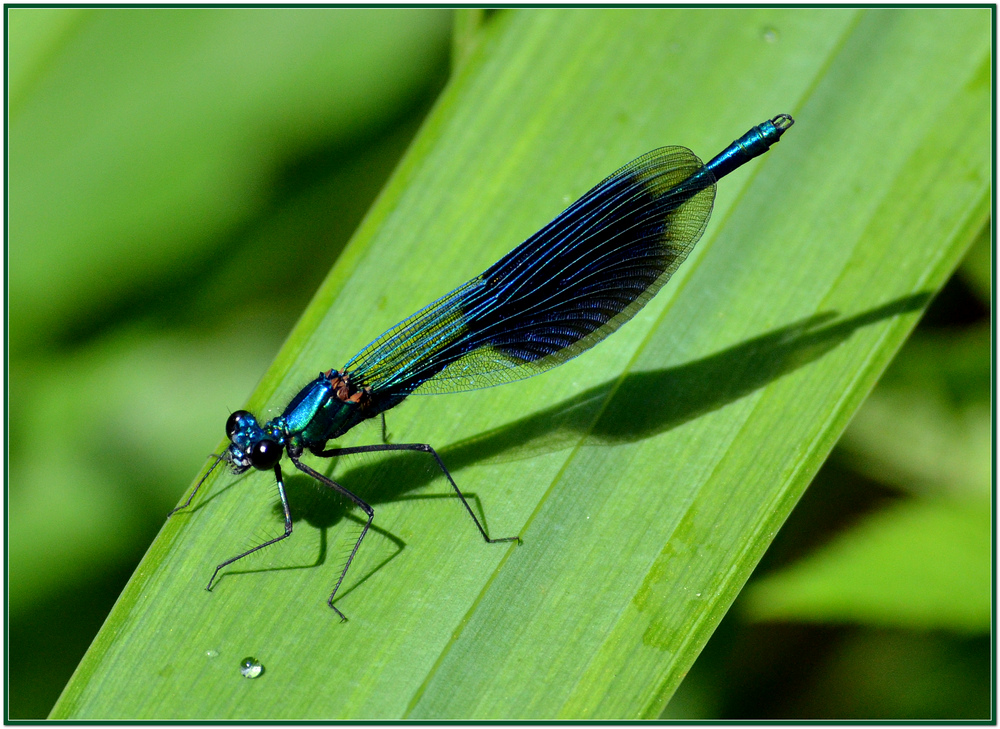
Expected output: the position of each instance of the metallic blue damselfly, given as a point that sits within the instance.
(554, 296)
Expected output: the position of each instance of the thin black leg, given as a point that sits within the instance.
(422, 448)
(385, 435)
(357, 500)
(218, 460)
(288, 529)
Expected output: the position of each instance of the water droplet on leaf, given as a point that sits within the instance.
(250, 667)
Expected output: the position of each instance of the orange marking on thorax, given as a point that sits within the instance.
(345, 390)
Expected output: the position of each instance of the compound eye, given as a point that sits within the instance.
(236, 422)
(265, 454)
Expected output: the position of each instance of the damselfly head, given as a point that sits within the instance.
(250, 445)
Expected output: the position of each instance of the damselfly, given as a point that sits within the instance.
(554, 296)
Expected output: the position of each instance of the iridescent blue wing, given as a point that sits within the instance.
(557, 294)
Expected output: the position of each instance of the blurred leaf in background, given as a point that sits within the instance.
(180, 180)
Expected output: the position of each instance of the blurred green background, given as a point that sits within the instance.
(180, 180)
